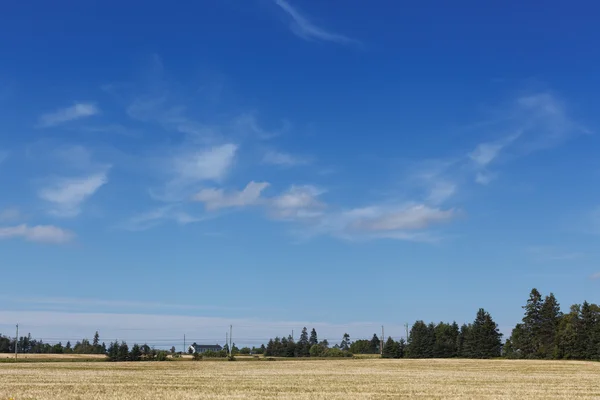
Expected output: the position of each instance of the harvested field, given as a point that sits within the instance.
(26, 356)
(306, 379)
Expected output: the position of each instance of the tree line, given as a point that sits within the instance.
(479, 339)
(544, 333)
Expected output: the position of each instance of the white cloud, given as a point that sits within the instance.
(10, 214)
(283, 159)
(485, 153)
(304, 29)
(440, 191)
(214, 199)
(412, 217)
(67, 194)
(297, 203)
(152, 218)
(76, 111)
(209, 164)
(38, 233)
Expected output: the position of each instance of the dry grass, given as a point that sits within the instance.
(53, 356)
(310, 379)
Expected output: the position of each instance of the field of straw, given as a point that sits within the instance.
(305, 379)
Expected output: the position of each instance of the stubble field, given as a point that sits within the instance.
(306, 379)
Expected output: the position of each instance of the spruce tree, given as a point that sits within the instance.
(136, 353)
(389, 349)
(303, 345)
(374, 345)
(550, 318)
(532, 322)
(313, 338)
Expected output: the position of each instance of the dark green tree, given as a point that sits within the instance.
(136, 353)
(303, 345)
(550, 316)
(374, 344)
(313, 337)
(483, 340)
(390, 348)
(345, 343)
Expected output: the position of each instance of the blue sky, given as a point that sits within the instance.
(281, 163)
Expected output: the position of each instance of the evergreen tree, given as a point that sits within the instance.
(532, 322)
(374, 345)
(113, 351)
(123, 352)
(419, 341)
(313, 337)
(550, 318)
(390, 348)
(400, 348)
(303, 345)
(136, 353)
(68, 347)
(483, 339)
(345, 344)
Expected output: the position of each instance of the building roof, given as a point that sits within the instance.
(207, 346)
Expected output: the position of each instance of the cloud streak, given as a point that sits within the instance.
(76, 111)
(306, 30)
(67, 194)
(215, 199)
(38, 233)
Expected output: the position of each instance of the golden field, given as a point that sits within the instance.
(302, 379)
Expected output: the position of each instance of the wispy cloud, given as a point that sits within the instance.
(67, 194)
(187, 168)
(534, 122)
(273, 157)
(215, 199)
(595, 276)
(306, 30)
(171, 212)
(38, 233)
(76, 111)
(207, 164)
(413, 217)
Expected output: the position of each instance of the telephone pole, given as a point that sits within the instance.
(227, 340)
(230, 338)
(184, 349)
(16, 342)
(381, 345)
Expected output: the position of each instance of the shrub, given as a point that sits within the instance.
(197, 356)
(161, 356)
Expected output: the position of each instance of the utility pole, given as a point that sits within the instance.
(381, 346)
(184, 349)
(292, 334)
(227, 340)
(230, 338)
(16, 342)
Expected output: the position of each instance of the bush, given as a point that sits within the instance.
(317, 350)
(161, 356)
(230, 358)
(197, 357)
(333, 352)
